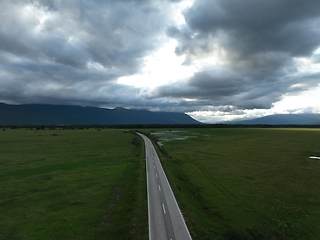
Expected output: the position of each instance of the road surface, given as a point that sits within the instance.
(165, 218)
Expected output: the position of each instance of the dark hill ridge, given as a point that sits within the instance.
(297, 119)
(40, 114)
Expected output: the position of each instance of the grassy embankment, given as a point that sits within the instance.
(246, 183)
(72, 184)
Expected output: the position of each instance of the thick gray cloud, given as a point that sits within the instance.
(257, 41)
(220, 87)
(249, 27)
(53, 48)
(111, 33)
(73, 52)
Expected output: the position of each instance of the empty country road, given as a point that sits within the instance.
(165, 218)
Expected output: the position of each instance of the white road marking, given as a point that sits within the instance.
(159, 188)
(314, 157)
(154, 166)
(164, 210)
(156, 175)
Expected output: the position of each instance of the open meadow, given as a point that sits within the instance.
(72, 184)
(231, 183)
(244, 183)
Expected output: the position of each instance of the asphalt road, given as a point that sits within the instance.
(165, 218)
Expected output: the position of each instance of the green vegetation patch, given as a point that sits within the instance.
(247, 183)
(72, 184)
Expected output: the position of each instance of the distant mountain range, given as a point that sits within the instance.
(38, 114)
(278, 119)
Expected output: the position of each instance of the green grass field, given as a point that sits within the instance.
(72, 184)
(245, 183)
(230, 183)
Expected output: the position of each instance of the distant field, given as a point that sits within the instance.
(245, 183)
(72, 184)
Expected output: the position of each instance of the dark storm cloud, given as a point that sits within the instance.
(289, 26)
(223, 88)
(56, 51)
(257, 41)
(112, 34)
(204, 85)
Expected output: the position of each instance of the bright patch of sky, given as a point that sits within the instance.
(162, 66)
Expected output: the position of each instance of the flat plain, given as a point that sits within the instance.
(90, 184)
(72, 184)
(244, 183)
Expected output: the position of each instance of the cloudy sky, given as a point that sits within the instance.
(213, 59)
